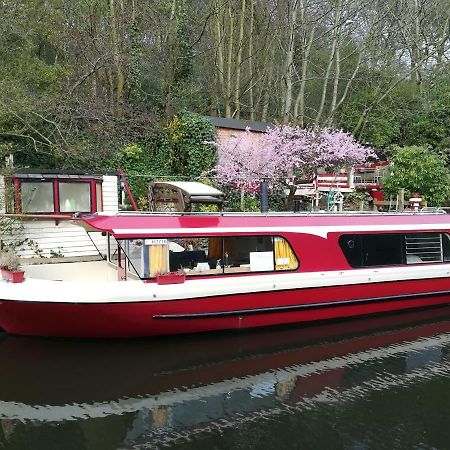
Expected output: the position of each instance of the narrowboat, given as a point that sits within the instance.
(179, 273)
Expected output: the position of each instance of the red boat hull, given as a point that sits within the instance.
(237, 311)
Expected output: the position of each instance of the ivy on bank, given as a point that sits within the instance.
(179, 151)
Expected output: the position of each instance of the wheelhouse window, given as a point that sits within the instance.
(37, 197)
(367, 250)
(60, 194)
(213, 255)
(74, 197)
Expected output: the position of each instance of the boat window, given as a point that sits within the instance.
(136, 259)
(248, 254)
(230, 254)
(37, 197)
(446, 246)
(423, 248)
(99, 196)
(74, 197)
(207, 255)
(366, 250)
(112, 249)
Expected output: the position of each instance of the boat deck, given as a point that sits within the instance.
(90, 271)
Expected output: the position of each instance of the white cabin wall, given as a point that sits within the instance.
(50, 238)
(110, 194)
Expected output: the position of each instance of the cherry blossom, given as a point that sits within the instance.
(284, 152)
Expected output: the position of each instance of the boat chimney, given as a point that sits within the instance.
(414, 202)
(264, 196)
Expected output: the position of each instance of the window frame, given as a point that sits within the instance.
(17, 183)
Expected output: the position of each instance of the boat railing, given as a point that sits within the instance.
(423, 211)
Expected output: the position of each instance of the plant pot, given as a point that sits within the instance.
(13, 277)
(171, 278)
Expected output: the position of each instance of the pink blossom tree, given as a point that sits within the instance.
(284, 152)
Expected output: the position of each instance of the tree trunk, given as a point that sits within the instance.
(289, 65)
(237, 86)
(299, 108)
(219, 46)
(335, 43)
(229, 62)
(251, 101)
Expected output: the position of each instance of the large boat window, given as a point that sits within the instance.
(366, 250)
(207, 255)
(248, 254)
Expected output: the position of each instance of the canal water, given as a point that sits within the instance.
(376, 383)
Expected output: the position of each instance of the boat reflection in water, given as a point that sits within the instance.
(346, 384)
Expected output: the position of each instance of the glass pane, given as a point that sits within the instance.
(37, 197)
(446, 246)
(285, 258)
(112, 249)
(135, 253)
(98, 191)
(74, 197)
(366, 250)
(248, 254)
(196, 256)
(382, 249)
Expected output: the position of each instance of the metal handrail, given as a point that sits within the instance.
(436, 211)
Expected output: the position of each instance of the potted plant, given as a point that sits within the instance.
(10, 267)
(171, 277)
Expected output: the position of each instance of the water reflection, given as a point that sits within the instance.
(357, 384)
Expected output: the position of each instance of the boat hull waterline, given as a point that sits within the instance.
(221, 312)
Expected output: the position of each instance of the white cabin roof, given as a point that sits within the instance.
(195, 188)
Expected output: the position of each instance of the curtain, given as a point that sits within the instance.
(284, 256)
(215, 248)
(158, 257)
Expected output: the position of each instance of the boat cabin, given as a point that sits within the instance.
(148, 245)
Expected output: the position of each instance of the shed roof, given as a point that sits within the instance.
(234, 124)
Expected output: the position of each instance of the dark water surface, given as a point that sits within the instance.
(373, 383)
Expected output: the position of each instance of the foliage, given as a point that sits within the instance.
(357, 198)
(178, 151)
(388, 119)
(429, 124)
(191, 155)
(81, 80)
(9, 260)
(418, 170)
